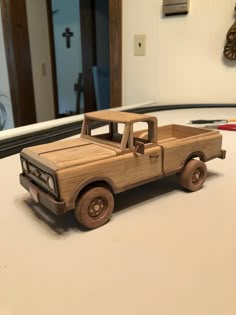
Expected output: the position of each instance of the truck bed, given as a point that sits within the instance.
(174, 132)
(178, 132)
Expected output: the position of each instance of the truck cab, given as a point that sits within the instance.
(119, 131)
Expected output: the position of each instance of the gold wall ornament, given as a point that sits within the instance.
(230, 46)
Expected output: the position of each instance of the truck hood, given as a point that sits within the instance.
(67, 153)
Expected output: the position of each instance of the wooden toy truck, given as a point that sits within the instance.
(84, 173)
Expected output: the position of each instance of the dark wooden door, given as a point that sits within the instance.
(115, 35)
(17, 46)
(88, 45)
(95, 50)
(18, 61)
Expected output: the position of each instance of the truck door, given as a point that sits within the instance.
(148, 164)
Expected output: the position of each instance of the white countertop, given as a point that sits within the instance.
(20, 131)
(165, 251)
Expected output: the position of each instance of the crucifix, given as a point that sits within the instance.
(68, 34)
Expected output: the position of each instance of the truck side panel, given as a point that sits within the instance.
(123, 171)
(178, 151)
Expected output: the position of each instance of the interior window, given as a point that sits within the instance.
(140, 131)
(109, 131)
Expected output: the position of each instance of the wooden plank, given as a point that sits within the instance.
(59, 145)
(180, 131)
(125, 137)
(115, 33)
(35, 158)
(164, 132)
(176, 152)
(122, 117)
(166, 140)
(53, 58)
(122, 170)
(88, 44)
(17, 47)
(79, 155)
(105, 143)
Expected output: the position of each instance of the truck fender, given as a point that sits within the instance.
(196, 154)
(94, 181)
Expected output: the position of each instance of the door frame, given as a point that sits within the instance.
(88, 51)
(115, 29)
(17, 48)
(52, 58)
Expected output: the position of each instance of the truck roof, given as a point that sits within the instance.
(119, 117)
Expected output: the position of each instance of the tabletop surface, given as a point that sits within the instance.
(165, 251)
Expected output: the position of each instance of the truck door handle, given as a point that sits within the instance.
(154, 156)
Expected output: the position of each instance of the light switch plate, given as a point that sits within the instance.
(139, 45)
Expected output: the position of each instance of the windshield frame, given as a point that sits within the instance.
(92, 124)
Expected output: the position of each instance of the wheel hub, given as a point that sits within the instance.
(196, 176)
(96, 207)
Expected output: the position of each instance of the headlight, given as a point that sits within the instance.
(51, 183)
(24, 165)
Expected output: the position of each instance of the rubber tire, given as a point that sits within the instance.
(84, 202)
(185, 178)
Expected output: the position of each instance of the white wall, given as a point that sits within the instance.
(4, 82)
(40, 55)
(183, 62)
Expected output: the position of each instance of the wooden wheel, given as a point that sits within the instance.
(94, 208)
(193, 175)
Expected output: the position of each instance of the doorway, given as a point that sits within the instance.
(65, 19)
(16, 39)
(84, 45)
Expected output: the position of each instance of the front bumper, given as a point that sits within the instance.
(223, 154)
(42, 197)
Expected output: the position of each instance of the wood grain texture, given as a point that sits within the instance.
(122, 117)
(115, 33)
(121, 170)
(17, 48)
(53, 58)
(59, 145)
(178, 151)
(78, 155)
(88, 45)
(94, 208)
(89, 48)
(193, 175)
(137, 169)
(100, 158)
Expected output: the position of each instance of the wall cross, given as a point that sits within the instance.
(68, 34)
